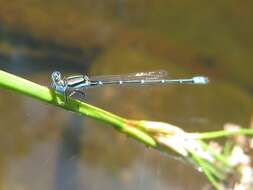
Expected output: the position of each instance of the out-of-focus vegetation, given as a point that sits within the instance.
(212, 38)
(215, 36)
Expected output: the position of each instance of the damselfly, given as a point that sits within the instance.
(77, 83)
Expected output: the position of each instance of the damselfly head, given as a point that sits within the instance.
(56, 76)
(58, 82)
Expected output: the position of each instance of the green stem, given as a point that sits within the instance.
(218, 156)
(206, 165)
(23, 86)
(210, 177)
(224, 133)
(129, 127)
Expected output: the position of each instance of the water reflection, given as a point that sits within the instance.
(43, 147)
(23, 53)
(67, 170)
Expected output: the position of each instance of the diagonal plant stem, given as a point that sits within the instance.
(42, 93)
(162, 136)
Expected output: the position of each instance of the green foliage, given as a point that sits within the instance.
(215, 164)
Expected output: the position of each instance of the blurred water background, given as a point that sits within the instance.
(44, 147)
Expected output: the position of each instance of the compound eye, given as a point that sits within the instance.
(56, 76)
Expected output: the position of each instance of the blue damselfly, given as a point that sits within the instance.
(77, 83)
